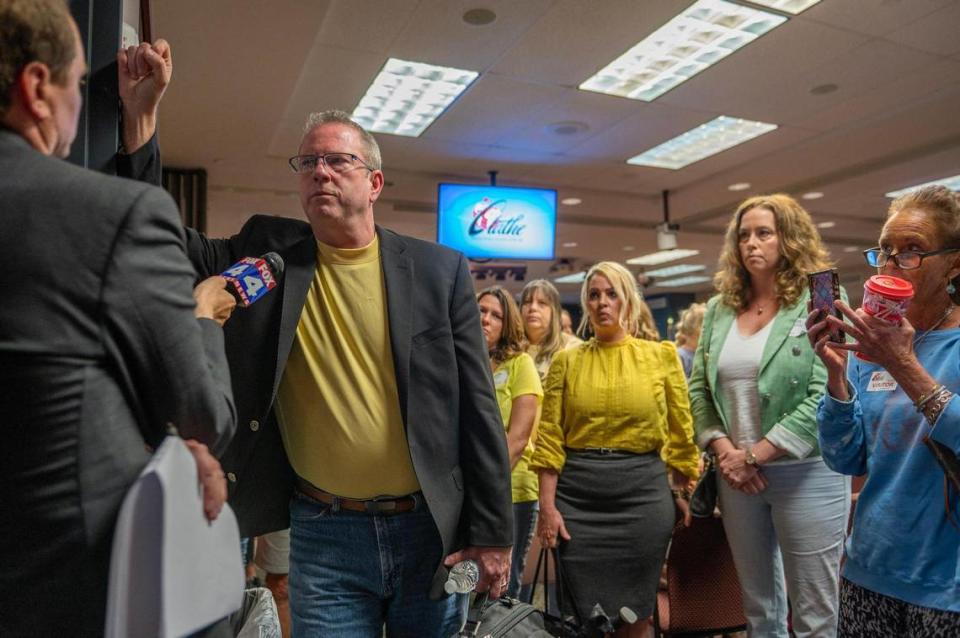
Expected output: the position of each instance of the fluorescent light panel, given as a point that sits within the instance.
(953, 183)
(699, 37)
(696, 144)
(662, 257)
(673, 271)
(682, 281)
(406, 97)
(787, 6)
(575, 278)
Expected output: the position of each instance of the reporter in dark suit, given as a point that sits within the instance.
(99, 345)
(366, 376)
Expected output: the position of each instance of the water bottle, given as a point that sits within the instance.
(463, 577)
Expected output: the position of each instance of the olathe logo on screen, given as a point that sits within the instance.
(491, 218)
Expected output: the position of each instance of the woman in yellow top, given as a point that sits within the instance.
(615, 414)
(541, 312)
(519, 394)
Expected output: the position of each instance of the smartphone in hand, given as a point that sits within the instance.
(824, 289)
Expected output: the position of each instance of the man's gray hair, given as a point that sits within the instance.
(371, 150)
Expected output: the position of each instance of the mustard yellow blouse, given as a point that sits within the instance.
(630, 395)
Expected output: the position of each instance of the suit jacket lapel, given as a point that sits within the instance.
(398, 278)
(778, 334)
(300, 265)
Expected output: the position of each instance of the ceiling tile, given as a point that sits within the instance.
(574, 39)
(492, 106)
(871, 17)
(437, 34)
(935, 33)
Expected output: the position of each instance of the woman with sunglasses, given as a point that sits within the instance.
(901, 576)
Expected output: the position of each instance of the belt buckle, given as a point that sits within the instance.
(602, 451)
(376, 506)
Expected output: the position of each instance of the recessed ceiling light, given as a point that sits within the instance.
(812, 195)
(571, 201)
(953, 183)
(739, 186)
(700, 36)
(673, 271)
(479, 17)
(682, 281)
(569, 244)
(824, 89)
(787, 6)
(696, 144)
(851, 249)
(567, 128)
(575, 278)
(662, 257)
(406, 97)
(826, 224)
(628, 249)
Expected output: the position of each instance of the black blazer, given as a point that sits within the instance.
(99, 351)
(446, 392)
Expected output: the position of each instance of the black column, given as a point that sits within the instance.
(98, 137)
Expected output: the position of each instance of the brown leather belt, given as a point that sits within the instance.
(373, 506)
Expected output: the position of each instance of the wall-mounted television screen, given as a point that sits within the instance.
(497, 222)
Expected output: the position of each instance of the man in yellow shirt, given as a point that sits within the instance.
(366, 394)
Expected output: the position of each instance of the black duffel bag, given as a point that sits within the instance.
(512, 618)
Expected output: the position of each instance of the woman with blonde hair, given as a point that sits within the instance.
(754, 392)
(541, 311)
(615, 417)
(688, 334)
(519, 393)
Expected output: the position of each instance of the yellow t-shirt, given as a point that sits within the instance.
(631, 395)
(337, 405)
(513, 378)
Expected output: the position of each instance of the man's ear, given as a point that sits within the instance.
(33, 88)
(376, 181)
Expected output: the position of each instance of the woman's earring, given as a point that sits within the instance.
(951, 289)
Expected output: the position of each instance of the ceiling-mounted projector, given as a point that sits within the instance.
(667, 236)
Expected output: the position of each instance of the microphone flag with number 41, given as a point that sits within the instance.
(253, 277)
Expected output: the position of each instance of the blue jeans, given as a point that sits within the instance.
(524, 524)
(352, 573)
(788, 540)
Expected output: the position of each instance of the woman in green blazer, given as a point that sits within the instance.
(753, 393)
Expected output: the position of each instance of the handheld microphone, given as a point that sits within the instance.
(252, 277)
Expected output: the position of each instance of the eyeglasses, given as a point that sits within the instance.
(336, 162)
(905, 259)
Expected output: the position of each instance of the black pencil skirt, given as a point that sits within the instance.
(619, 511)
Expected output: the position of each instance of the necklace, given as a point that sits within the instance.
(760, 307)
(919, 339)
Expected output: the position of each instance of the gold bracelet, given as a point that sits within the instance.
(923, 398)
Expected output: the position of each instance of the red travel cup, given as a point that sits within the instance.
(887, 298)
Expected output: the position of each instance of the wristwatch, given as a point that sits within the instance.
(751, 459)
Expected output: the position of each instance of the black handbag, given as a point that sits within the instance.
(703, 500)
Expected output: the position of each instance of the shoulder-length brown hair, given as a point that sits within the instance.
(800, 246)
(512, 341)
(552, 341)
